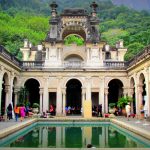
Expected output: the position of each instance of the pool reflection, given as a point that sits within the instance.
(76, 137)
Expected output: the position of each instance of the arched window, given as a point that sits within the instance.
(107, 55)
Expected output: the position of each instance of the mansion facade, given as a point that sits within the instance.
(70, 75)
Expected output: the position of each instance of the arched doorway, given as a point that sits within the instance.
(115, 90)
(3, 98)
(32, 85)
(73, 96)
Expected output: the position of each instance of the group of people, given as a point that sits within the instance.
(19, 111)
(73, 110)
(97, 110)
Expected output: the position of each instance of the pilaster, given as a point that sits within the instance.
(45, 94)
(64, 101)
(41, 100)
(88, 89)
(106, 100)
(59, 99)
(1, 82)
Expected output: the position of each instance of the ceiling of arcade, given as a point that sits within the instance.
(75, 30)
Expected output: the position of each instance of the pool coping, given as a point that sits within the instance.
(7, 131)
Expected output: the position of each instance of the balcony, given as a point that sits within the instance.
(10, 57)
(73, 64)
(115, 64)
(32, 64)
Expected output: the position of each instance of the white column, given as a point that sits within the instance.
(11, 86)
(59, 99)
(7, 91)
(45, 95)
(140, 98)
(106, 100)
(88, 89)
(147, 89)
(46, 53)
(131, 95)
(136, 93)
(1, 82)
(101, 93)
(125, 92)
(88, 54)
(83, 98)
(41, 100)
(16, 96)
(64, 102)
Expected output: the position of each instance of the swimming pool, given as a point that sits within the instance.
(74, 135)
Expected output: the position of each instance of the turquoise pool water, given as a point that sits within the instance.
(74, 135)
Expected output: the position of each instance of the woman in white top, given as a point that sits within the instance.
(128, 109)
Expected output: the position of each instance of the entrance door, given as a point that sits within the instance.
(73, 96)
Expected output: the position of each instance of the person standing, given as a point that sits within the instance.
(22, 112)
(128, 110)
(9, 111)
(16, 110)
(99, 111)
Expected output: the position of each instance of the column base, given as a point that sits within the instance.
(60, 115)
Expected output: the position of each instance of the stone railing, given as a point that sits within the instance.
(9, 56)
(73, 64)
(32, 64)
(141, 55)
(115, 64)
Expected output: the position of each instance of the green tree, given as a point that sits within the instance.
(133, 49)
(74, 39)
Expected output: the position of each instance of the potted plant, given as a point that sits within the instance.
(112, 108)
(123, 101)
(35, 108)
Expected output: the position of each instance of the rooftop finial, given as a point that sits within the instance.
(53, 6)
(94, 6)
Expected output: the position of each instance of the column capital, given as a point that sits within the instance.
(7, 88)
(83, 90)
(106, 90)
(64, 91)
(131, 90)
(140, 88)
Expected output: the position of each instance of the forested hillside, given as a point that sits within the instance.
(21, 19)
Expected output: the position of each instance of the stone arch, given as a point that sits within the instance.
(33, 88)
(74, 34)
(75, 53)
(6, 78)
(132, 82)
(75, 28)
(73, 96)
(5, 86)
(24, 80)
(77, 78)
(115, 90)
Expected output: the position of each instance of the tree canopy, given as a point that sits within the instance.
(20, 19)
